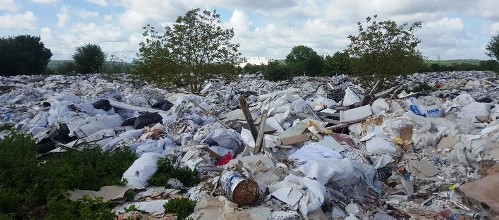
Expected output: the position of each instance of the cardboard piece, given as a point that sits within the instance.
(107, 193)
(295, 139)
(484, 190)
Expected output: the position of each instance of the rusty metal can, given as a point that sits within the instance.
(239, 189)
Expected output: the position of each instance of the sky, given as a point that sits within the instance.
(451, 29)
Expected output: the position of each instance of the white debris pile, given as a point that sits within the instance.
(317, 148)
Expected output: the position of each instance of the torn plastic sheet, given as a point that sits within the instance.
(313, 151)
(227, 138)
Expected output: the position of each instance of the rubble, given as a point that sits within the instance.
(317, 148)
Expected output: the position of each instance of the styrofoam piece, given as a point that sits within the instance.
(356, 113)
(379, 145)
(350, 97)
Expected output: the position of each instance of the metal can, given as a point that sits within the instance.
(239, 189)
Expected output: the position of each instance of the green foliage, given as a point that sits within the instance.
(66, 68)
(181, 207)
(167, 170)
(253, 69)
(116, 64)
(195, 48)
(337, 64)
(493, 47)
(89, 58)
(23, 54)
(29, 182)
(303, 60)
(277, 71)
(383, 50)
(84, 208)
(461, 65)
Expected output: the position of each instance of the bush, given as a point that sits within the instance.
(181, 207)
(89, 58)
(277, 71)
(29, 182)
(23, 54)
(167, 170)
(337, 64)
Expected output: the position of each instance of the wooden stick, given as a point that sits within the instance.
(259, 140)
(247, 114)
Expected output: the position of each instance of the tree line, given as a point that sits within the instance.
(196, 47)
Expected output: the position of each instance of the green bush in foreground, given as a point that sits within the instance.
(32, 187)
(181, 207)
(167, 170)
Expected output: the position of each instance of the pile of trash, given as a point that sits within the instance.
(316, 148)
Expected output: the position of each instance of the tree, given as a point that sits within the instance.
(277, 71)
(89, 58)
(303, 60)
(195, 48)
(383, 50)
(339, 63)
(493, 47)
(23, 54)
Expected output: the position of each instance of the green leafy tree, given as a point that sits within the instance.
(339, 63)
(303, 60)
(195, 48)
(23, 54)
(493, 47)
(154, 63)
(277, 71)
(89, 58)
(383, 50)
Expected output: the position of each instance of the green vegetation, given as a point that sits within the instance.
(167, 170)
(195, 48)
(303, 60)
(34, 187)
(339, 63)
(493, 47)
(181, 207)
(383, 50)
(89, 58)
(460, 65)
(23, 54)
(277, 71)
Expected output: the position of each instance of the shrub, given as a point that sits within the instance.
(181, 207)
(167, 170)
(29, 183)
(277, 71)
(89, 58)
(23, 54)
(339, 63)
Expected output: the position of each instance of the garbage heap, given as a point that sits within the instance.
(316, 148)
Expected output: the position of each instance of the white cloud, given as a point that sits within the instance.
(46, 34)
(446, 24)
(240, 22)
(46, 2)
(62, 16)
(87, 14)
(108, 18)
(102, 3)
(18, 21)
(8, 5)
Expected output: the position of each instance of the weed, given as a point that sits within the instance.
(181, 207)
(167, 170)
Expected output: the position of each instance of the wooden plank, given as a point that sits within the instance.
(247, 114)
(259, 139)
